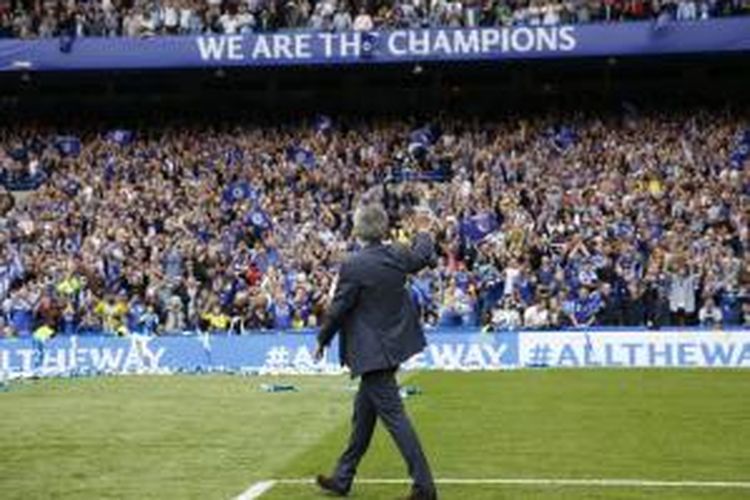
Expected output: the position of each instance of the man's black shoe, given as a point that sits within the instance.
(327, 484)
(421, 495)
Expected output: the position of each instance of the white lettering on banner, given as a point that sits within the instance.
(212, 48)
(490, 39)
(261, 49)
(397, 43)
(463, 355)
(4, 361)
(54, 361)
(419, 43)
(744, 357)
(302, 48)
(282, 359)
(466, 42)
(546, 39)
(327, 43)
(442, 44)
(282, 47)
(567, 38)
(636, 349)
(106, 359)
(26, 359)
(349, 44)
(522, 39)
(303, 357)
(235, 48)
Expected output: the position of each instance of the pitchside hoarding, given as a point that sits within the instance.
(292, 352)
(289, 48)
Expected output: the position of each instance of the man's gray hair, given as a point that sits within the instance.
(370, 222)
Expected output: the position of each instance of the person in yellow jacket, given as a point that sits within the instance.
(111, 313)
(217, 321)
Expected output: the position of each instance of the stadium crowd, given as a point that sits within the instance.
(108, 18)
(541, 222)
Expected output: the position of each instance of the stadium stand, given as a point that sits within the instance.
(636, 218)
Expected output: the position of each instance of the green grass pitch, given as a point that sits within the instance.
(211, 437)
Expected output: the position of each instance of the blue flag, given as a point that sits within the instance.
(422, 139)
(68, 145)
(238, 192)
(563, 138)
(72, 244)
(322, 124)
(409, 175)
(477, 227)
(259, 219)
(121, 136)
(301, 156)
(741, 151)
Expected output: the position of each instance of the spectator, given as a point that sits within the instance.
(233, 219)
(506, 316)
(710, 314)
(537, 315)
(363, 21)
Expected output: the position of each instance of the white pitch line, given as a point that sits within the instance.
(256, 490)
(633, 483)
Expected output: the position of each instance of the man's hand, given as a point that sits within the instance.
(319, 352)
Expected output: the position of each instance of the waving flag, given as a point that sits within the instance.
(323, 124)
(409, 175)
(238, 192)
(121, 136)
(477, 227)
(421, 139)
(301, 156)
(741, 151)
(563, 138)
(68, 145)
(259, 219)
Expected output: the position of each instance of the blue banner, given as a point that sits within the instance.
(293, 352)
(387, 46)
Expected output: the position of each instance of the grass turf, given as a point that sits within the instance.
(211, 437)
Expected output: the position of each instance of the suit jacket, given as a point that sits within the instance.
(373, 309)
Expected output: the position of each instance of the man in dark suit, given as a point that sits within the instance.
(379, 329)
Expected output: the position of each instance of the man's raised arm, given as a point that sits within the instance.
(422, 251)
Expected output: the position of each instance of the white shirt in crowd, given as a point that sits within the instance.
(185, 15)
(686, 10)
(536, 316)
(229, 24)
(709, 314)
(551, 15)
(511, 277)
(342, 21)
(363, 22)
(171, 17)
(506, 317)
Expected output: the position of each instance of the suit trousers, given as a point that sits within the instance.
(378, 396)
